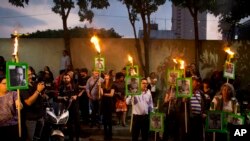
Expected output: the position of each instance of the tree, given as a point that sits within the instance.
(195, 7)
(19, 3)
(230, 13)
(63, 8)
(143, 8)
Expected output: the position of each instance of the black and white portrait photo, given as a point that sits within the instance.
(17, 75)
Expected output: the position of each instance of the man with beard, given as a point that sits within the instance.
(84, 100)
(68, 91)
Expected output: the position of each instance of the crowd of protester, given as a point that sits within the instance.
(95, 100)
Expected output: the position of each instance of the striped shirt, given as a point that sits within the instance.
(195, 103)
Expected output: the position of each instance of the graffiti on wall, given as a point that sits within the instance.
(208, 63)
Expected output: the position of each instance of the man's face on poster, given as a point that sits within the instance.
(19, 75)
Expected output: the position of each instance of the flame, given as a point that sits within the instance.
(95, 41)
(130, 59)
(175, 61)
(182, 64)
(15, 44)
(227, 50)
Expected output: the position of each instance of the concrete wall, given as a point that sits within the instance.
(36, 52)
(41, 52)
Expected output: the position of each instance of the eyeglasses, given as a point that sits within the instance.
(144, 83)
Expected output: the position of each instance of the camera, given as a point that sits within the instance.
(33, 77)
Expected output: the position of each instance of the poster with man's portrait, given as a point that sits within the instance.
(133, 85)
(156, 122)
(100, 63)
(215, 121)
(172, 75)
(229, 70)
(132, 70)
(235, 119)
(17, 75)
(184, 87)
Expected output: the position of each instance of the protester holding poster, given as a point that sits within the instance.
(225, 101)
(8, 112)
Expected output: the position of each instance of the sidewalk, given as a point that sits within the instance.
(120, 133)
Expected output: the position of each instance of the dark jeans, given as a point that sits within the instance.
(74, 121)
(84, 108)
(95, 111)
(196, 128)
(140, 123)
(172, 127)
(107, 125)
(9, 133)
(34, 129)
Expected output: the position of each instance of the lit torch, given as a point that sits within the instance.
(230, 53)
(130, 59)
(15, 47)
(175, 61)
(182, 66)
(95, 41)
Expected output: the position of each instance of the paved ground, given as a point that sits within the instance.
(120, 133)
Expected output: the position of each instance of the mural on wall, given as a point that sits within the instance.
(242, 59)
(208, 63)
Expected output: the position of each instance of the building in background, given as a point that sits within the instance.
(182, 24)
(155, 33)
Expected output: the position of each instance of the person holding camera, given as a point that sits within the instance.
(33, 108)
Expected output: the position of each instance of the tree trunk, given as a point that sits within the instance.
(66, 38)
(66, 35)
(196, 35)
(146, 43)
(137, 40)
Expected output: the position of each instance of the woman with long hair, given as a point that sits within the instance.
(107, 93)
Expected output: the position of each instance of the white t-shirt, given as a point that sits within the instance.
(65, 62)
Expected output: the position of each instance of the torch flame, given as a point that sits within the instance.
(95, 41)
(175, 61)
(130, 59)
(15, 44)
(227, 50)
(182, 64)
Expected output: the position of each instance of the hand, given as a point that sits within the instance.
(74, 97)
(184, 100)
(45, 96)
(18, 104)
(65, 98)
(204, 115)
(40, 86)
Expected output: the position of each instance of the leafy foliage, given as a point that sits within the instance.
(19, 3)
(230, 13)
(195, 7)
(143, 8)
